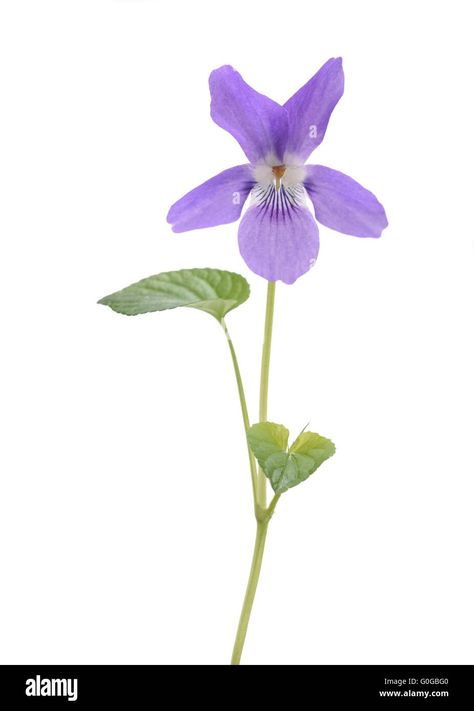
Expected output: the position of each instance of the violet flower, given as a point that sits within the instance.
(278, 235)
(279, 240)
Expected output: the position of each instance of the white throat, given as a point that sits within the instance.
(271, 171)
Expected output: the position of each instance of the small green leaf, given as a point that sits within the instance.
(212, 290)
(267, 438)
(287, 467)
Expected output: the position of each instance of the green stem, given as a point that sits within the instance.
(262, 527)
(243, 407)
(264, 376)
(272, 506)
(260, 490)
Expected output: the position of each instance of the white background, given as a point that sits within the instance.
(125, 512)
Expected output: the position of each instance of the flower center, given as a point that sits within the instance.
(286, 174)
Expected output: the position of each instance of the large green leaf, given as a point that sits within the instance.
(211, 290)
(287, 467)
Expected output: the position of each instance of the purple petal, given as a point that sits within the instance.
(343, 204)
(279, 245)
(259, 124)
(310, 108)
(218, 201)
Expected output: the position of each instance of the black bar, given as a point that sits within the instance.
(319, 687)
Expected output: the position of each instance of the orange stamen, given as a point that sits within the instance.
(278, 171)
